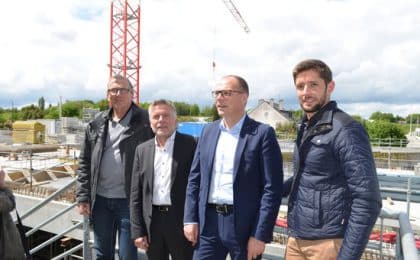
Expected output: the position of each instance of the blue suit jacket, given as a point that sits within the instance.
(257, 184)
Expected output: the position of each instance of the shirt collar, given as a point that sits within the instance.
(171, 139)
(236, 129)
(322, 116)
(127, 114)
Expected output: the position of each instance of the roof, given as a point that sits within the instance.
(275, 106)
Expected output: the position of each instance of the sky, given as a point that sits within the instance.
(60, 50)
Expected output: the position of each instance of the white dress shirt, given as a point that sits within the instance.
(162, 173)
(221, 186)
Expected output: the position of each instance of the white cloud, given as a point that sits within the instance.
(60, 48)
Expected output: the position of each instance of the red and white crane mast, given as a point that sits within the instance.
(125, 42)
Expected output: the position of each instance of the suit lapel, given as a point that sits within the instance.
(211, 144)
(243, 137)
(176, 157)
(150, 167)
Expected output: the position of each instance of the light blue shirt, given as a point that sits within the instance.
(221, 186)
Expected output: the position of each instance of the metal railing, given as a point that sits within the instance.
(391, 163)
(404, 246)
(404, 231)
(400, 188)
(74, 226)
(375, 142)
(389, 142)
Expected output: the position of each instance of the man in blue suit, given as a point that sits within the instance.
(235, 183)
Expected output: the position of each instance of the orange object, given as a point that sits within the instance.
(281, 222)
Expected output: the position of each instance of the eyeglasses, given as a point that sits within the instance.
(224, 93)
(115, 91)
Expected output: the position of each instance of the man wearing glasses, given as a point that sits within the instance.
(105, 168)
(235, 183)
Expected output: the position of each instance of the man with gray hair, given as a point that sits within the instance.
(105, 167)
(160, 176)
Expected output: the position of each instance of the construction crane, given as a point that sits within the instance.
(238, 17)
(125, 42)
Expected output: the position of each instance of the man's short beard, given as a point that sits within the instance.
(316, 108)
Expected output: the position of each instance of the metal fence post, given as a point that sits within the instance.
(407, 237)
(31, 169)
(382, 237)
(408, 196)
(398, 247)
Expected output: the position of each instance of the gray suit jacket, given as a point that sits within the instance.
(142, 182)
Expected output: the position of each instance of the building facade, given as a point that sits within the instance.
(271, 113)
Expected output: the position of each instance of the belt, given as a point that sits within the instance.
(162, 208)
(222, 209)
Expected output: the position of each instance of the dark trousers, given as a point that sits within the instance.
(218, 238)
(167, 237)
(111, 216)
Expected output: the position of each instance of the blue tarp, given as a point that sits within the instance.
(191, 128)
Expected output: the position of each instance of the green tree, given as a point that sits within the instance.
(194, 110)
(14, 114)
(182, 108)
(215, 114)
(207, 111)
(31, 112)
(144, 105)
(385, 130)
(52, 113)
(389, 117)
(41, 103)
(357, 118)
(102, 104)
(74, 108)
(286, 130)
(399, 119)
(297, 115)
(413, 119)
(360, 120)
(3, 119)
(71, 109)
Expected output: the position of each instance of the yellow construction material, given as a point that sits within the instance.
(31, 132)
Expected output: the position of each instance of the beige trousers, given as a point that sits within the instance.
(322, 249)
